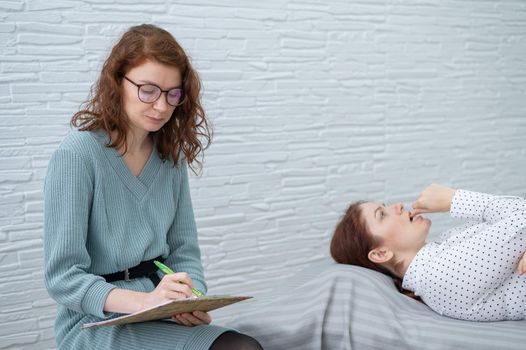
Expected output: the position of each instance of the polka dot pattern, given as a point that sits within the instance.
(471, 274)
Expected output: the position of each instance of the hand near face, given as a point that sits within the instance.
(434, 198)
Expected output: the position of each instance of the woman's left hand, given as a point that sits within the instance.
(191, 319)
(521, 266)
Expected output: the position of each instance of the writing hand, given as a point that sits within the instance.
(172, 287)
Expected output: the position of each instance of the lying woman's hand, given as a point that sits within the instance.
(434, 198)
(172, 287)
(195, 318)
(521, 266)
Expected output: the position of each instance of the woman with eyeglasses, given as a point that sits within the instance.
(117, 198)
(475, 272)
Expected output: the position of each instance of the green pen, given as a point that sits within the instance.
(166, 270)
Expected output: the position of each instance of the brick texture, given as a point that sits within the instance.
(315, 104)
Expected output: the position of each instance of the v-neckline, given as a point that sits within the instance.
(138, 185)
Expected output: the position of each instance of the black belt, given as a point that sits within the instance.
(144, 269)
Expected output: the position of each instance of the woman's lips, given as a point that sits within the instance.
(416, 218)
(155, 120)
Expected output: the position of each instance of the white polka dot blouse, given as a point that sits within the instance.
(471, 274)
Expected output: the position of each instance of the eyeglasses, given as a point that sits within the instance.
(149, 93)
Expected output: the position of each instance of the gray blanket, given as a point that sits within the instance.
(331, 306)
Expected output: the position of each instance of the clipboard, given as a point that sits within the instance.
(167, 310)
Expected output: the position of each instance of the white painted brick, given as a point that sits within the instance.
(37, 27)
(14, 176)
(261, 15)
(191, 10)
(11, 5)
(15, 341)
(38, 5)
(20, 67)
(12, 287)
(232, 23)
(87, 16)
(220, 220)
(39, 174)
(150, 8)
(15, 163)
(46, 322)
(10, 210)
(43, 97)
(98, 43)
(69, 66)
(17, 77)
(67, 51)
(41, 344)
(49, 39)
(176, 21)
(18, 327)
(223, 44)
(314, 104)
(34, 207)
(32, 254)
(63, 77)
(37, 217)
(21, 88)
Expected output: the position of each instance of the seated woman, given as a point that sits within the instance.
(474, 273)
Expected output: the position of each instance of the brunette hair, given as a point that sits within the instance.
(352, 242)
(104, 110)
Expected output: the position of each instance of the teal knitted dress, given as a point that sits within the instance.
(100, 219)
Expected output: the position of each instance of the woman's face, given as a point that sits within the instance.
(394, 228)
(149, 117)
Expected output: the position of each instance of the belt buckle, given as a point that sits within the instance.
(126, 275)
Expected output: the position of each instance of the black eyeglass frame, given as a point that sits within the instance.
(158, 97)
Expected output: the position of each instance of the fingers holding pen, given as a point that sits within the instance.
(177, 283)
(172, 287)
(182, 277)
(179, 277)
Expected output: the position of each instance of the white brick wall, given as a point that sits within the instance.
(315, 104)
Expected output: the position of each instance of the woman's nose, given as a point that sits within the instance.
(398, 208)
(161, 104)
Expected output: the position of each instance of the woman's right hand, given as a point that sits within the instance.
(521, 267)
(173, 286)
(434, 198)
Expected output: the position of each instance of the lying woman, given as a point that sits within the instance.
(474, 273)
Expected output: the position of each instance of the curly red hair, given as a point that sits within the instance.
(187, 127)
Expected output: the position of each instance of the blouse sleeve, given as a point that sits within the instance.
(468, 270)
(185, 255)
(485, 207)
(68, 194)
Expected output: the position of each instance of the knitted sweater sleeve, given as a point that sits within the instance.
(185, 255)
(68, 192)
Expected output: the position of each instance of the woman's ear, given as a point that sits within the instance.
(380, 255)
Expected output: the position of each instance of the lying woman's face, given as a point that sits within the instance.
(393, 226)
